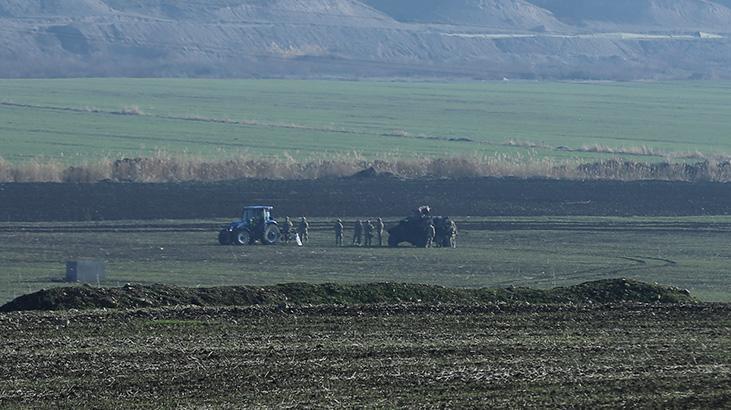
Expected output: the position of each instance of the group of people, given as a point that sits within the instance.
(288, 231)
(363, 233)
(369, 233)
(441, 233)
(366, 233)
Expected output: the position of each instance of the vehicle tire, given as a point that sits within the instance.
(224, 237)
(392, 241)
(272, 235)
(242, 237)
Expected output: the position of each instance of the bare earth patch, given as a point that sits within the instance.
(385, 355)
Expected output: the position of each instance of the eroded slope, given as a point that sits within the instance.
(489, 39)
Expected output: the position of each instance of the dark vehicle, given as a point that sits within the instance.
(413, 230)
(256, 225)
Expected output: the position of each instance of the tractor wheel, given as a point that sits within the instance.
(271, 235)
(242, 237)
(224, 237)
(392, 241)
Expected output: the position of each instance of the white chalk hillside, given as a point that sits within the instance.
(489, 39)
(53, 8)
(642, 15)
(499, 14)
(197, 10)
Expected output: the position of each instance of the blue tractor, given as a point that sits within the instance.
(256, 225)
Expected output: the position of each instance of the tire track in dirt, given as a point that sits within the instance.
(110, 228)
(295, 126)
(246, 123)
(637, 263)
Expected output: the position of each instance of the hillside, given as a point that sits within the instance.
(642, 15)
(53, 8)
(502, 14)
(485, 39)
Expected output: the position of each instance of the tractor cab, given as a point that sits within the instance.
(257, 213)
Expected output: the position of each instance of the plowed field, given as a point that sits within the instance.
(382, 196)
(379, 355)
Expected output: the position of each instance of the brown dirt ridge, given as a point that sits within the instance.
(158, 295)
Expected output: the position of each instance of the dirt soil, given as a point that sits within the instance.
(382, 355)
(136, 296)
(384, 196)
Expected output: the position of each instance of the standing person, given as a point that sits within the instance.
(430, 232)
(379, 231)
(369, 228)
(357, 233)
(287, 230)
(339, 233)
(452, 234)
(304, 230)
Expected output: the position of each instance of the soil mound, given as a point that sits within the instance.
(141, 296)
(371, 172)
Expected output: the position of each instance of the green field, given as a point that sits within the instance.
(553, 252)
(81, 119)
